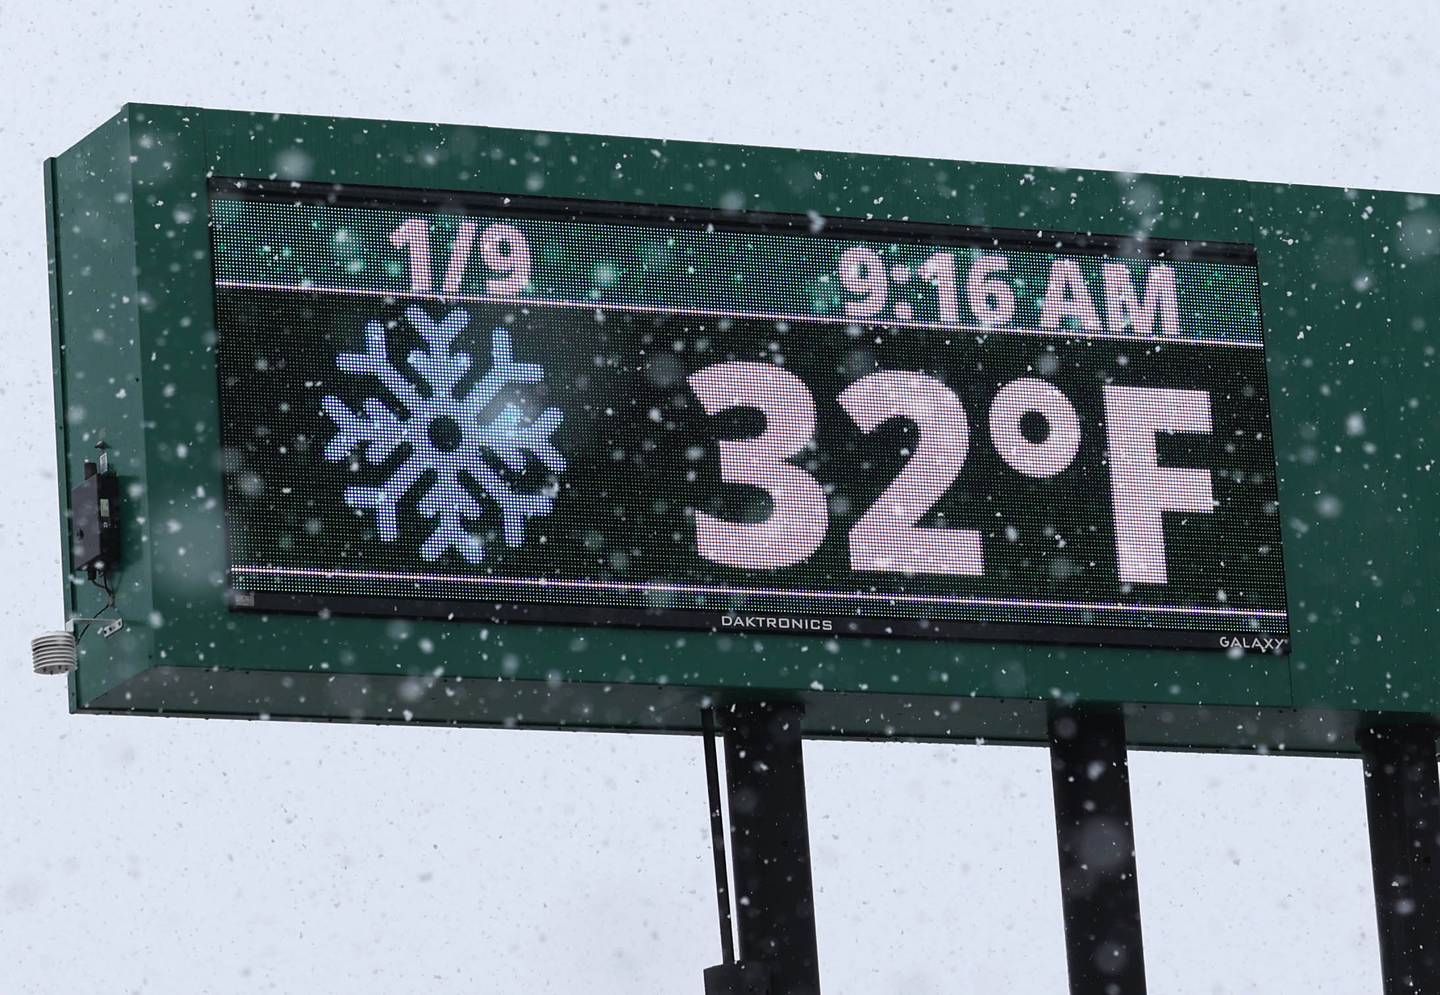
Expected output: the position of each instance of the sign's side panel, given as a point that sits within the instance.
(1351, 478)
(178, 337)
(95, 323)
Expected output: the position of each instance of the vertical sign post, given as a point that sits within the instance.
(770, 837)
(1096, 837)
(729, 977)
(1402, 800)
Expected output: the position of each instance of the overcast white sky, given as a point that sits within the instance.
(174, 857)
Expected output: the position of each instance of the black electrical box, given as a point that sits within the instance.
(95, 521)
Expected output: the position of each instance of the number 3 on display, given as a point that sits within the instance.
(886, 537)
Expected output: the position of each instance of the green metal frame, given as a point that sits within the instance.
(1351, 294)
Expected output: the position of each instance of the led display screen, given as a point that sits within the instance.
(491, 408)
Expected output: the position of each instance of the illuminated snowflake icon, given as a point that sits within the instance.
(448, 435)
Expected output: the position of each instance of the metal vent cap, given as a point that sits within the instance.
(53, 653)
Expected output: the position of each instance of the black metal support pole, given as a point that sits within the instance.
(770, 845)
(727, 977)
(717, 837)
(1096, 836)
(1402, 799)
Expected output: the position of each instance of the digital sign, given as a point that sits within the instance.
(482, 407)
(511, 428)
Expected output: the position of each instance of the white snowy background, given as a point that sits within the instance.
(173, 857)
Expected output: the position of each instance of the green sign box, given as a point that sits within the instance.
(442, 424)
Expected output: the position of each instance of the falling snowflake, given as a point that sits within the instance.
(448, 436)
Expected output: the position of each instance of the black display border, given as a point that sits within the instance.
(708, 219)
(711, 621)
